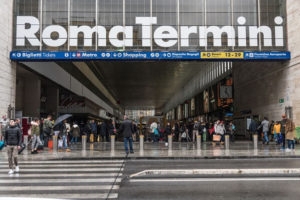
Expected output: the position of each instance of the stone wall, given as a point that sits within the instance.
(260, 85)
(7, 69)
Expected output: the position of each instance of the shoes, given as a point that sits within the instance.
(267, 143)
(68, 150)
(288, 150)
(17, 169)
(34, 152)
(11, 171)
(131, 152)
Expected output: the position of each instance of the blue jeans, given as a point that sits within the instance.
(74, 139)
(291, 144)
(126, 139)
(65, 141)
(266, 138)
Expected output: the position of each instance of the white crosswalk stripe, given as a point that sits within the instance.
(76, 179)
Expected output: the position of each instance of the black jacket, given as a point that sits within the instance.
(126, 128)
(13, 136)
(168, 130)
(103, 129)
(253, 126)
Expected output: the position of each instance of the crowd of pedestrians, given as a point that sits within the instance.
(70, 132)
(281, 132)
(188, 132)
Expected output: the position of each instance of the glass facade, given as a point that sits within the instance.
(177, 26)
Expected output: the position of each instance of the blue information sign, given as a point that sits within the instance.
(267, 55)
(126, 55)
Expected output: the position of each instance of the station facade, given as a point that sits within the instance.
(245, 54)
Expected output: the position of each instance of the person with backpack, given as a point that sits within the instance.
(47, 129)
(35, 134)
(13, 140)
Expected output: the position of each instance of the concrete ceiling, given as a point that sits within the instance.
(144, 84)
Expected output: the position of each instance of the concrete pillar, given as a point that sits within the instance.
(255, 141)
(141, 142)
(198, 141)
(7, 68)
(227, 141)
(170, 141)
(55, 144)
(112, 142)
(52, 100)
(83, 142)
(32, 96)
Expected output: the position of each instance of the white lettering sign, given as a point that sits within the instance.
(163, 36)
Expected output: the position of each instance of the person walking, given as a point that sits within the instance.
(75, 133)
(283, 130)
(103, 132)
(47, 129)
(276, 132)
(253, 128)
(195, 130)
(265, 128)
(154, 131)
(168, 131)
(287, 131)
(94, 131)
(126, 129)
(35, 133)
(13, 140)
(64, 134)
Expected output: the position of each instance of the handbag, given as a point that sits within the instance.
(216, 138)
(156, 131)
(183, 135)
(1, 145)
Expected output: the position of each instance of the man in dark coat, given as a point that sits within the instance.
(127, 129)
(104, 132)
(13, 140)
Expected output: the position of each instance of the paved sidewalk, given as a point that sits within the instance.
(238, 150)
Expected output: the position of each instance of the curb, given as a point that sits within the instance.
(180, 158)
(280, 171)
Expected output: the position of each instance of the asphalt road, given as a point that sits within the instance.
(190, 188)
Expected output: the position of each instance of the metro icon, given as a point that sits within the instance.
(163, 36)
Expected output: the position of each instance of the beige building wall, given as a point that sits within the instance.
(260, 86)
(7, 69)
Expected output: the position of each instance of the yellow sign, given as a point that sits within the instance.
(222, 55)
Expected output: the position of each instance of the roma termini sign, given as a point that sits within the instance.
(163, 36)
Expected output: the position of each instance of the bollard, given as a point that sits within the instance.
(141, 142)
(227, 141)
(170, 141)
(255, 140)
(54, 143)
(26, 139)
(112, 142)
(83, 141)
(198, 141)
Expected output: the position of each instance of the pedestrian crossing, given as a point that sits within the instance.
(65, 179)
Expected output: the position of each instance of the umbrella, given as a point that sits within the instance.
(62, 118)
